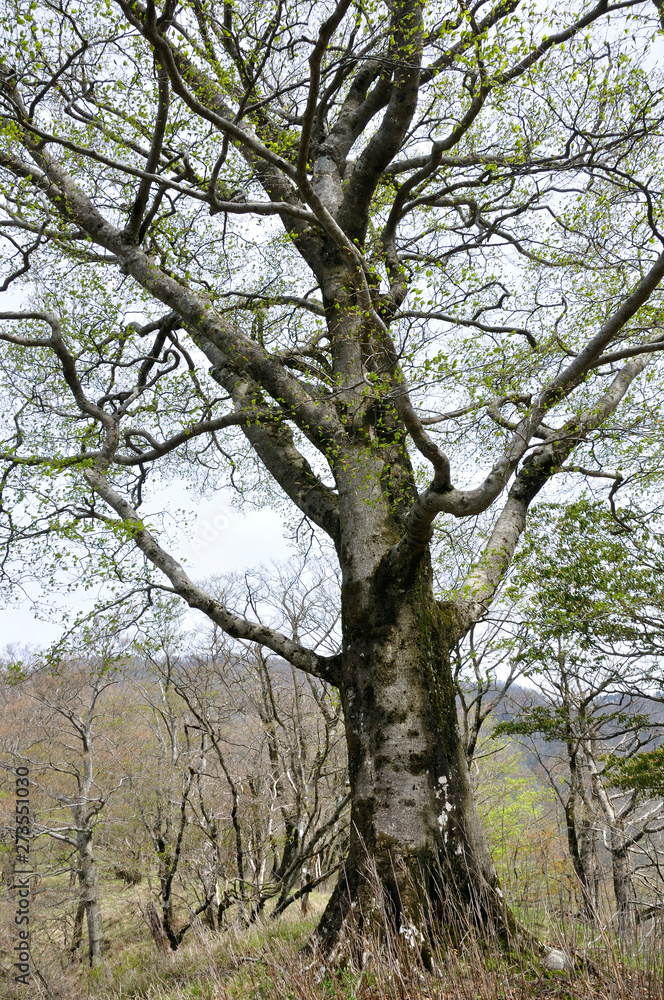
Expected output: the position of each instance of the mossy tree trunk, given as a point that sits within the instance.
(416, 842)
(623, 885)
(417, 849)
(581, 837)
(587, 869)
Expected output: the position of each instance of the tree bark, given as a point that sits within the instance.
(90, 896)
(417, 848)
(157, 929)
(623, 888)
(581, 844)
(77, 932)
(166, 873)
(588, 869)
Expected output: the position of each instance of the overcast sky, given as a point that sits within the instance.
(220, 539)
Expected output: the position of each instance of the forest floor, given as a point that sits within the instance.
(266, 962)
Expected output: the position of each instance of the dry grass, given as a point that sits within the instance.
(266, 962)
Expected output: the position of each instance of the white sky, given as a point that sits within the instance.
(221, 539)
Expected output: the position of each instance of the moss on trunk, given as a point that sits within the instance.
(417, 854)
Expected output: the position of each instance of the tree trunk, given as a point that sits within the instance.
(417, 850)
(623, 888)
(166, 873)
(588, 863)
(304, 898)
(77, 932)
(211, 890)
(90, 896)
(581, 845)
(157, 929)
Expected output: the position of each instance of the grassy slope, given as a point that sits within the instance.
(266, 962)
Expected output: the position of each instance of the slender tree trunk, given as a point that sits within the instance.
(77, 932)
(157, 929)
(304, 899)
(588, 863)
(623, 888)
(166, 875)
(209, 914)
(623, 884)
(581, 845)
(413, 813)
(90, 896)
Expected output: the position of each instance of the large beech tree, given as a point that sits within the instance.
(400, 259)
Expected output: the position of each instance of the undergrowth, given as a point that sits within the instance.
(268, 962)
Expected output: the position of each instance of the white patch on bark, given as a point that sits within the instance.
(412, 934)
(558, 960)
(327, 184)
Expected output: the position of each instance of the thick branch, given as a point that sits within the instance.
(142, 195)
(406, 51)
(424, 444)
(324, 667)
(327, 29)
(273, 443)
(546, 460)
(462, 503)
(317, 418)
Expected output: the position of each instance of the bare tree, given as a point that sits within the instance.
(582, 719)
(284, 772)
(164, 756)
(60, 712)
(274, 737)
(485, 666)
